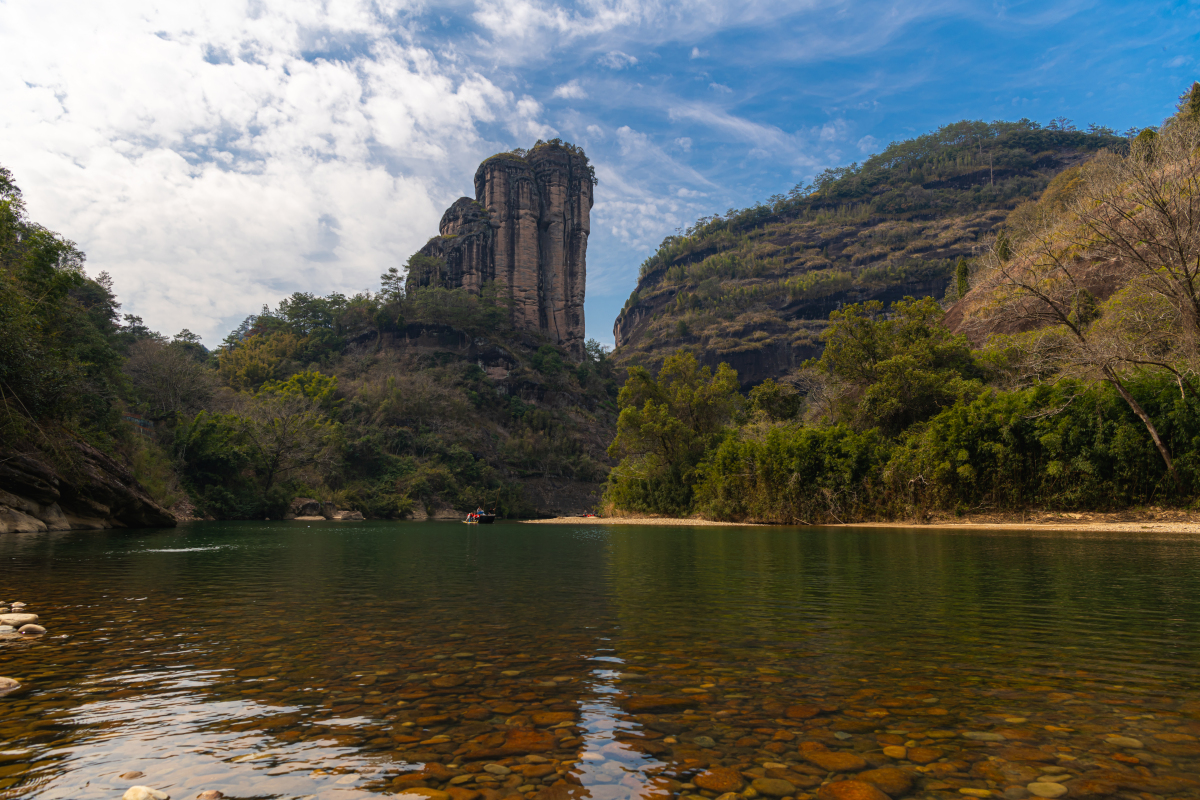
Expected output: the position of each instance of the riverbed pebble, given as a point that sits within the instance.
(850, 790)
(1125, 741)
(31, 629)
(1046, 789)
(211, 794)
(144, 793)
(132, 775)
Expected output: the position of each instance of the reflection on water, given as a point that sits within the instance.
(453, 662)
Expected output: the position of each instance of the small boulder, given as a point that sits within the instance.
(211, 794)
(17, 620)
(32, 630)
(144, 793)
(8, 685)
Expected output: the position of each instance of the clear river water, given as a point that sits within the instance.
(441, 661)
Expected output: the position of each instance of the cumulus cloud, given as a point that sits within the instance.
(214, 163)
(685, 144)
(698, 53)
(570, 91)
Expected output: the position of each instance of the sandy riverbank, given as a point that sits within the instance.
(636, 521)
(1099, 523)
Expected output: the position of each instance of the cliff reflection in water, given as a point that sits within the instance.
(552, 662)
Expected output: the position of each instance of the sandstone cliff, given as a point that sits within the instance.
(526, 231)
(97, 493)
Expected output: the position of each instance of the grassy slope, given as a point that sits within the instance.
(755, 288)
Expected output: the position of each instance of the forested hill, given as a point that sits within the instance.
(754, 288)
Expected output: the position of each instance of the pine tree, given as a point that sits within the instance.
(962, 274)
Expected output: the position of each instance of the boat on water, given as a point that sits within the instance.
(480, 519)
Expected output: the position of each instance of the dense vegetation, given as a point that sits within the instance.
(387, 402)
(382, 403)
(754, 287)
(62, 344)
(1077, 389)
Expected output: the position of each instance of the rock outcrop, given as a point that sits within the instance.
(97, 493)
(526, 231)
(307, 509)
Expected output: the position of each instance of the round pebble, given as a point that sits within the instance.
(773, 787)
(497, 769)
(1045, 789)
(1125, 741)
(31, 629)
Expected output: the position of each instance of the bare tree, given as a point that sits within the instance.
(1143, 211)
(288, 433)
(1043, 295)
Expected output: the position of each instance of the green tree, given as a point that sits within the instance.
(392, 285)
(666, 426)
(898, 369)
(962, 276)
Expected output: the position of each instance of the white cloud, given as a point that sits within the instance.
(868, 144)
(720, 87)
(617, 60)
(571, 91)
(210, 167)
(685, 144)
(698, 53)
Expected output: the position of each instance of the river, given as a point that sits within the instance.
(548, 662)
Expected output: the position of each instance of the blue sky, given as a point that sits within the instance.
(219, 156)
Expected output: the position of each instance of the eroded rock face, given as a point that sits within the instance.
(97, 492)
(527, 230)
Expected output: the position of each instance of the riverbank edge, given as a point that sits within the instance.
(1190, 526)
(640, 521)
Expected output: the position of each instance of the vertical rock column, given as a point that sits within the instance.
(565, 191)
(505, 186)
(464, 245)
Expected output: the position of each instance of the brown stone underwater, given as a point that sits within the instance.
(449, 662)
